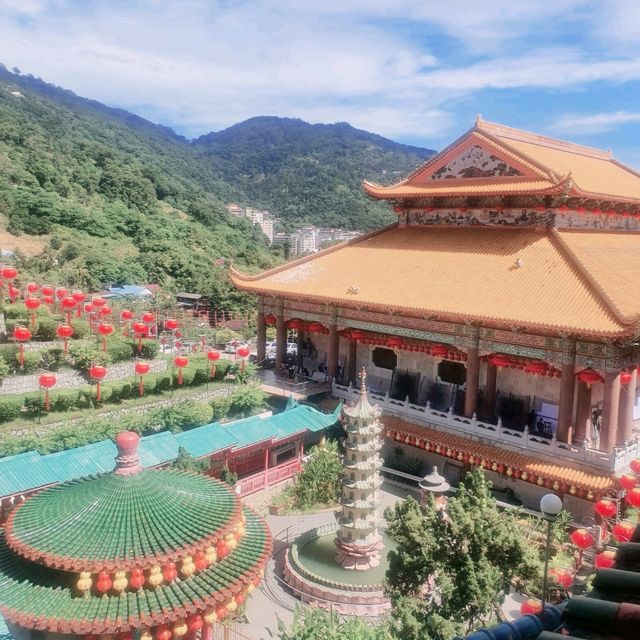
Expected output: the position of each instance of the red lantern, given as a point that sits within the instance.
(606, 508)
(213, 356)
(536, 367)
(79, 297)
(194, 623)
(294, 324)
(141, 368)
(221, 613)
(270, 319)
(162, 633)
(21, 334)
(635, 465)
(136, 578)
(61, 293)
(356, 334)
(625, 377)
(171, 324)
(222, 550)
(99, 302)
(9, 273)
(32, 287)
(103, 583)
(395, 341)
(148, 317)
(589, 376)
(562, 577)
(32, 304)
(605, 559)
(105, 311)
(623, 531)
(501, 361)
(439, 350)
(46, 381)
(98, 372)
(140, 329)
(531, 606)
(47, 290)
(169, 572)
(239, 599)
(65, 331)
(627, 481)
(582, 539)
(633, 497)
(48, 299)
(180, 362)
(126, 314)
(200, 560)
(14, 293)
(105, 329)
(314, 327)
(68, 303)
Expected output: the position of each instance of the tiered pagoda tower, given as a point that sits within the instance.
(148, 554)
(358, 540)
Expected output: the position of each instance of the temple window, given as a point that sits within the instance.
(452, 372)
(384, 358)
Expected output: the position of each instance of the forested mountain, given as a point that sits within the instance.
(310, 174)
(99, 196)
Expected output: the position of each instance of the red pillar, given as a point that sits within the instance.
(353, 350)
(490, 389)
(281, 338)
(610, 409)
(207, 632)
(567, 390)
(261, 339)
(473, 372)
(266, 467)
(332, 364)
(583, 413)
(627, 403)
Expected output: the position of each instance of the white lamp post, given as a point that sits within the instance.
(550, 506)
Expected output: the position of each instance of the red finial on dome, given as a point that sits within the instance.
(127, 460)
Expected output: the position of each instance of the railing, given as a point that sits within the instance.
(264, 479)
(447, 421)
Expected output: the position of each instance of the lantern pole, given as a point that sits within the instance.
(550, 506)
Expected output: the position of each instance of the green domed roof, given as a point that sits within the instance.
(112, 520)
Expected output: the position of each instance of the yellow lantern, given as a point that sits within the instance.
(572, 490)
(540, 480)
(155, 576)
(494, 466)
(209, 616)
(232, 605)
(250, 588)
(120, 581)
(524, 475)
(84, 583)
(509, 471)
(180, 628)
(145, 634)
(188, 567)
(211, 555)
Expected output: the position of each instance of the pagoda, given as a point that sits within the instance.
(151, 554)
(498, 317)
(358, 540)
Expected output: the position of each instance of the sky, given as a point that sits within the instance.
(414, 71)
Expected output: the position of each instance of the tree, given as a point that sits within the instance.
(457, 566)
(319, 480)
(186, 462)
(228, 476)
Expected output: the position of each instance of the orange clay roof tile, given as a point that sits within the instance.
(588, 480)
(521, 276)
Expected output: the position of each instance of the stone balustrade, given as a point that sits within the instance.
(496, 434)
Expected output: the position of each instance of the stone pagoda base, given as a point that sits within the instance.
(359, 556)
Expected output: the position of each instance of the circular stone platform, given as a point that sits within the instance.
(311, 569)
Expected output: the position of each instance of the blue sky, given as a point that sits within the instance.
(414, 71)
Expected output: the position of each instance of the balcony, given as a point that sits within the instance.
(496, 434)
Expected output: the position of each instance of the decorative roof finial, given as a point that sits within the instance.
(127, 460)
(478, 118)
(363, 380)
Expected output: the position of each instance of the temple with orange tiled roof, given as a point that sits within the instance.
(502, 308)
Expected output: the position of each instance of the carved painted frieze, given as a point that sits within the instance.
(475, 162)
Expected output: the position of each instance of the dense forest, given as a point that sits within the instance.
(310, 174)
(102, 196)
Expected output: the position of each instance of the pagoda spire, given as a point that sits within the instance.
(358, 540)
(127, 460)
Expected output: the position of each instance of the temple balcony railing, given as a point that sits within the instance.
(496, 434)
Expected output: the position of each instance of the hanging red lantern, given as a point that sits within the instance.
(582, 539)
(47, 290)
(61, 293)
(65, 331)
(605, 559)
(48, 300)
(222, 550)
(394, 342)
(439, 350)
(68, 304)
(148, 317)
(536, 367)
(33, 287)
(623, 531)
(294, 324)
(314, 327)
(162, 632)
(213, 356)
(628, 481)
(32, 304)
(221, 613)
(194, 623)
(136, 578)
(242, 352)
(9, 273)
(625, 377)
(141, 368)
(563, 208)
(589, 376)
(270, 319)
(21, 335)
(606, 508)
(126, 314)
(171, 324)
(563, 577)
(633, 497)
(103, 583)
(531, 606)
(200, 560)
(169, 572)
(47, 381)
(79, 297)
(356, 334)
(500, 361)
(635, 466)
(105, 329)
(105, 311)
(14, 293)
(99, 301)
(88, 308)
(97, 373)
(140, 329)
(180, 362)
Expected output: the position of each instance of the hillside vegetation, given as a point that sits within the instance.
(97, 196)
(310, 174)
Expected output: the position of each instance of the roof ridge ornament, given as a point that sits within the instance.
(127, 460)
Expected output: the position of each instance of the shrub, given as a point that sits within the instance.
(228, 476)
(46, 327)
(4, 369)
(222, 369)
(126, 391)
(84, 355)
(52, 359)
(10, 408)
(8, 353)
(163, 383)
(64, 400)
(17, 311)
(220, 407)
(34, 405)
(247, 400)
(182, 415)
(31, 362)
(201, 376)
(149, 351)
(118, 349)
(80, 328)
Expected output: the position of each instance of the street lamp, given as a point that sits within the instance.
(550, 506)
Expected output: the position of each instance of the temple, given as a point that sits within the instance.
(497, 319)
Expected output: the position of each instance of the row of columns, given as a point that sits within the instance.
(619, 399)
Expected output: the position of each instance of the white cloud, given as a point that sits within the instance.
(593, 123)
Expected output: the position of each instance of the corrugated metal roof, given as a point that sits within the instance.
(30, 470)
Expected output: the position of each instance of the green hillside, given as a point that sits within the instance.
(114, 198)
(309, 174)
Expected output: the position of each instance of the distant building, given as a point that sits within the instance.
(304, 241)
(262, 218)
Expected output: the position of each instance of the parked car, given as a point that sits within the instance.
(292, 348)
(232, 345)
